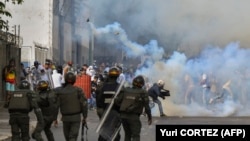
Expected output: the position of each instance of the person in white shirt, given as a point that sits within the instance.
(57, 79)
(91, 72)
(121, 76)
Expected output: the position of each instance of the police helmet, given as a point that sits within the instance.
(138, 81)
(36, 63)
(113, 72)
(42, 85)
(24, 84)
(161, 83)
(70, 78)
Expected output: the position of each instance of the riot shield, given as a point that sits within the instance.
(110, 126)
(110, 122)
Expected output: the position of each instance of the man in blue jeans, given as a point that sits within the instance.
(155, 92)
(92, 103)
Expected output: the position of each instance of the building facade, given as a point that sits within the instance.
(57, 30)
(70, 32)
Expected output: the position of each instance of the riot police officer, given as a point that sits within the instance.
(48, 103)
(104, 95)
(72, 104)
(22, 102)
(132, 101)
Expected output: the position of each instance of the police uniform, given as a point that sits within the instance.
(132, 101)
(72, 103)
(21, 103)
(104, 95)
(48, 103)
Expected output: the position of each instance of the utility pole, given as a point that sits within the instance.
(18, 34)
(14, 34)
(91, 46)
(7, 29)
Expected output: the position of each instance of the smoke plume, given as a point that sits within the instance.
(200, 37)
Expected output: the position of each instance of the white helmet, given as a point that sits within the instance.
(204, 76)
(161, 83)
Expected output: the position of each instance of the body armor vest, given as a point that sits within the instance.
(109, 90)
(48, 103)
(19, 101)
(132, 101)
(70, 101)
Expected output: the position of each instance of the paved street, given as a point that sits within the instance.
(147, 133)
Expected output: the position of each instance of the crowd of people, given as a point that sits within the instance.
(207, 90)
(50, 90)
(46, 88)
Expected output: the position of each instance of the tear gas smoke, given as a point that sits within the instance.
(224, 66)
(204, 37)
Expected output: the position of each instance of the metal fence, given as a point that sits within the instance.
(9, 48)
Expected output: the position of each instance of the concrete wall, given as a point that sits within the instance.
(35, 21)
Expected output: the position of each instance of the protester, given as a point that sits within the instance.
(23, 73)
(57, 79)
(155, 92)
(92, 104)
(9, 75)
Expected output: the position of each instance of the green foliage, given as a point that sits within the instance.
(4, 12)
(15, 1)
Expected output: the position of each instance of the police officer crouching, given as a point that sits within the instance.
(72, 104)
(22, 102)
(132, 101)
(48, 103)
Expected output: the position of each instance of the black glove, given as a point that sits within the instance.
(163, 97)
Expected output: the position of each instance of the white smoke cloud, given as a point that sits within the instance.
(212, 32)
(132, 49)
(178, 24)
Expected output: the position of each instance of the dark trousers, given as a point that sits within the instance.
(47, 130)
(132, 128)
(19, 127)
(71, 130)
